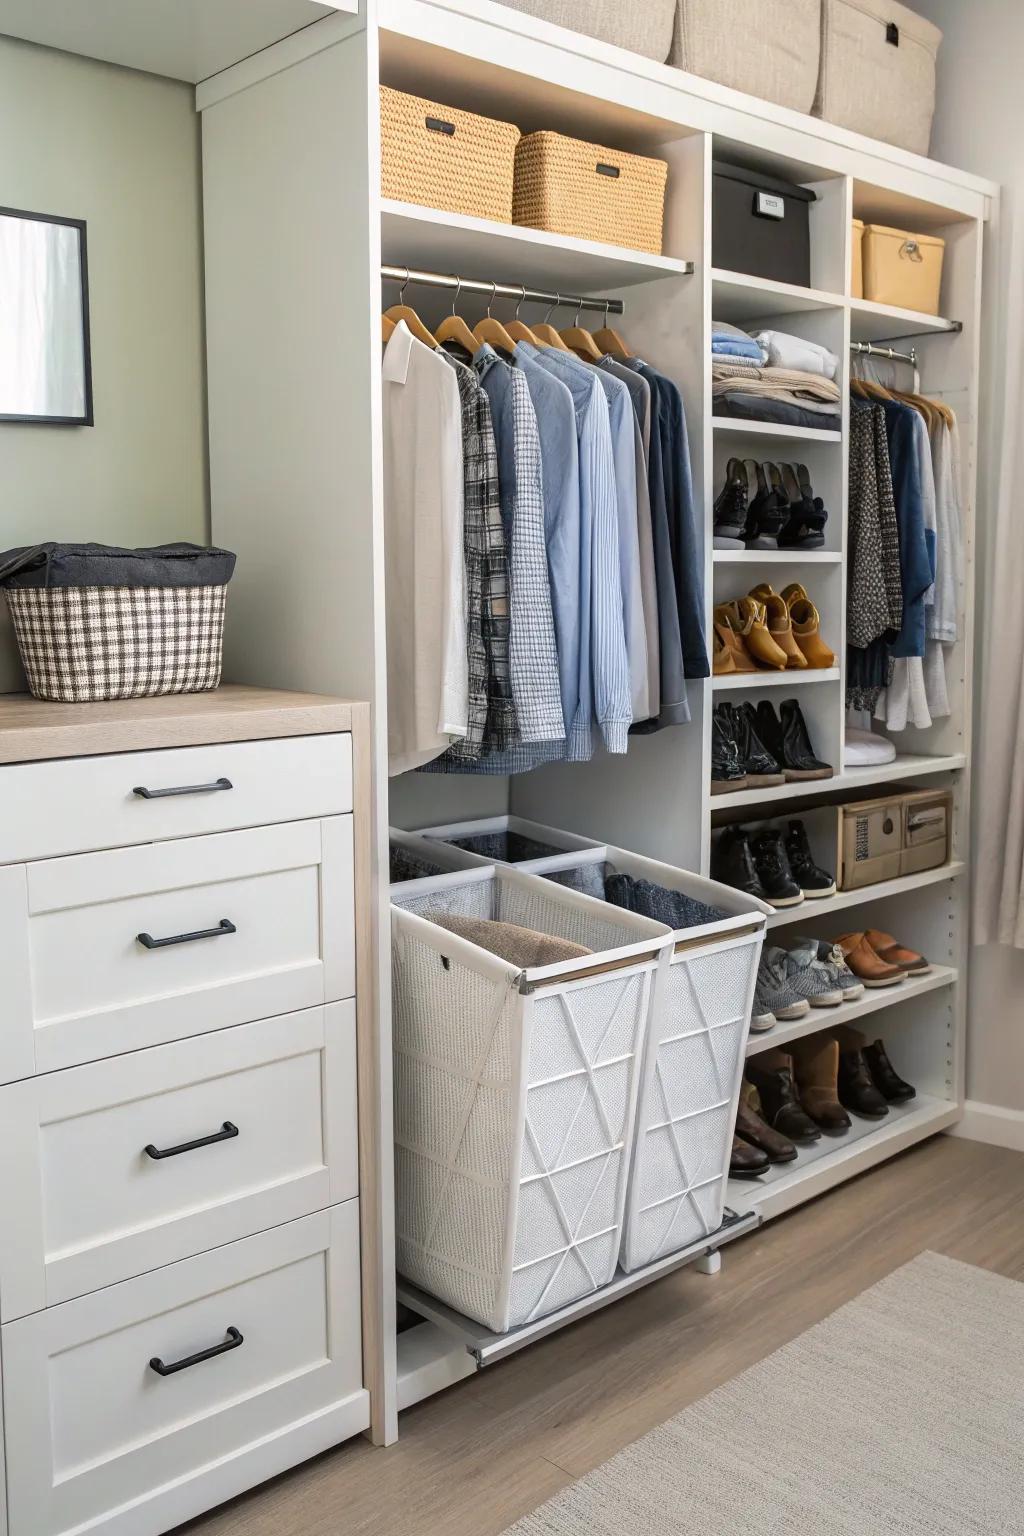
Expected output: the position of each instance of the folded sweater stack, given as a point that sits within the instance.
(773, 376)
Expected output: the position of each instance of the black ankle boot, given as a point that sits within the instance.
(727, 769)
(733, 863)
(773, 870)
(798, 757)
(885, 1077)
(760, 766)
(731, 508)
(810, 877)
(856, 1089)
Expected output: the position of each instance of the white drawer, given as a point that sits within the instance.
(92, 1204)
(110, 952)
(101, 1441)
(70, 806)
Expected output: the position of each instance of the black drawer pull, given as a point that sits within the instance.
(148, 942)
(181, 789)
(607, 170)
(233, 1340)
(438, 125)
(227, 1132)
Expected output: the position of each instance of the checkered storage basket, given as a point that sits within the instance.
(515, 1094)
(95, 622)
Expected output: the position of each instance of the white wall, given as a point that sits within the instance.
(121, 150)
(978, 126)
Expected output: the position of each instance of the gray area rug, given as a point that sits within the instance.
(902, 1414)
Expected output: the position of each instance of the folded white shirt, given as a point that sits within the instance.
(785, 351)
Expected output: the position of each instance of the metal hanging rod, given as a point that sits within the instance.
(575, 301)
(868, 349)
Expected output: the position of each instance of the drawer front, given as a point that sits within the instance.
(103, 1438)
(254, 1127)
(141, 946)
(48, 809)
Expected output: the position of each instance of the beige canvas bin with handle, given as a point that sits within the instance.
(767, 48)
(903, 269)
(857, 265)
(570, 187)
(645, 28)
(440, 157)
(878, 71)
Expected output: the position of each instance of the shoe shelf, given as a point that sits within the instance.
(834, 1159)
(738, 298)
(733, 427)
(824, 906)
(872, 1000)
(776, 679)
(755, 557)
(906, 766)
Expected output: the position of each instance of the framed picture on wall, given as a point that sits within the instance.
(45, 362)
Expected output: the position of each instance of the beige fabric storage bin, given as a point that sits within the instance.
(644, 28)
(903, 269)
(442, 158)
(768, 48)
(857, 268)
(878, 71)
(570, 187)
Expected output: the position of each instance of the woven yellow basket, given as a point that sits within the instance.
(443, 158)
(573, 188)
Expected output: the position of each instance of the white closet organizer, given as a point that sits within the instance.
(296, 234)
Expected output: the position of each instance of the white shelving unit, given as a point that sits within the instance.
(293, 306)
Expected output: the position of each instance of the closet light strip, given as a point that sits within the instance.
(524, 295)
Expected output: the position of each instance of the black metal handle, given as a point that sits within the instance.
(181, 789)
(224, 926)
(233, 1341)
(438, 125)
(227, 1132)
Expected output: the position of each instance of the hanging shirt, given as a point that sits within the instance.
(428, 673)
(533, 653)
(906, 432)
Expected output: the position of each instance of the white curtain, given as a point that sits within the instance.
(998, 756)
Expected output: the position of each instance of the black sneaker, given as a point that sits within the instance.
(773, 870)
(731, 507)
(733, 863)
(758, 763)
(727, 770)
(810, 877)
(788, 742)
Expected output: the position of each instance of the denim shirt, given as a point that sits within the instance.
(917, 560)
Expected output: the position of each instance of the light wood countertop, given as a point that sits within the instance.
(32, 729)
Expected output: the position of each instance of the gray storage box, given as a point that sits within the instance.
(767, 48)
(644, 28)
(878, 71)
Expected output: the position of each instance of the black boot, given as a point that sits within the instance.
(733, 863)
(810, 877)
(727, 770)
(760, 766)
(856, 1090)
(780, 1105)
(773, 870)
(731, 507)
(788, 742)
(885, 1077)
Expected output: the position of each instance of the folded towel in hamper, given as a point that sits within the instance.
(519, 946)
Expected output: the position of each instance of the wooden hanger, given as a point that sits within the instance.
(546, 334)
(401, 311)
(490, 330)
(579, 340)
(518, 330)
(610, 342)
(454, 328)
(388, 328)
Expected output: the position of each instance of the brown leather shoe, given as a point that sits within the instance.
(723, 659)
(747, 1162)
(816, 1067)
(865, 964)
(806, 623)
(729, 630)
(772, 1075)
(750, 1126)
(753, 622)
(780, 625)
(893, 953)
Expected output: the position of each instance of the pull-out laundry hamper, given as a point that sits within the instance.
(693, 1064)
(515, 1094)
(411, 857)
(507, 840)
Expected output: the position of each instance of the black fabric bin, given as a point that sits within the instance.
(760, 225)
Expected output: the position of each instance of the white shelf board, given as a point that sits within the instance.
(777, 557)
(834, 1159)
(906, 766)
(727, 425)
(438, 241)
(825, 906)
(872, 1000)
(883, 322)
(776, 679)
(738, 298)
(429, 1360)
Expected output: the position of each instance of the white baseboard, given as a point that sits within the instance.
(993, 1124)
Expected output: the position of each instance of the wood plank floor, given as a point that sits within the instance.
(472, 1460)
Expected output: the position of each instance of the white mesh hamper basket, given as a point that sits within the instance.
(506, 840)
(515, 1094)
(693, 1064)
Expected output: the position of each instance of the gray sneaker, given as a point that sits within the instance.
(833, 959)
(774, 998)
(808, 977)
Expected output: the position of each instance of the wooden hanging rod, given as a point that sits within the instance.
(575, 301)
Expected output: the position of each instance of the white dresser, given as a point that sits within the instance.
(180, 1283)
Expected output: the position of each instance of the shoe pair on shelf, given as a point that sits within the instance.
(790, 982)
(757, 748)
(769, 631)
(879, 959)
(768, 506)
(771, 865)
(868, 1081)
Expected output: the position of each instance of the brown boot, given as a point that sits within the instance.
(806, 623)
(747, 1162)
(753, 624)
(780, 625)
(816, 1068)
(728, 630)
(771, 1073)
(752, 1128)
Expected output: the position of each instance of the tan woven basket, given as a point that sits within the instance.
(443, 158)
(573, 188)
